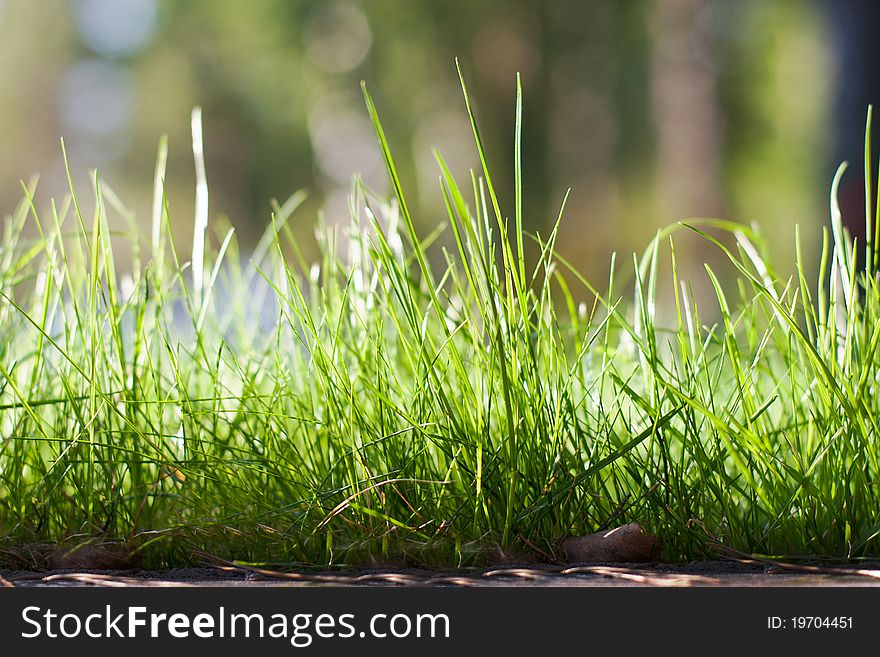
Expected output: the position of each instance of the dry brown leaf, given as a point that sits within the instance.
(91, 556)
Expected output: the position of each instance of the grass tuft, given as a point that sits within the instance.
(377, 407)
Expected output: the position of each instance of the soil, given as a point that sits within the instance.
(704, 573)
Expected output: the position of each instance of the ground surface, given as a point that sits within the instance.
(709, 573)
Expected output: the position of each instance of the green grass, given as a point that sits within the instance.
(377, 407)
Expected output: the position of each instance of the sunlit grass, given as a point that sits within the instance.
(375, 407)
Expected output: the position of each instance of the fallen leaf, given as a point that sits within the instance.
(91, 556)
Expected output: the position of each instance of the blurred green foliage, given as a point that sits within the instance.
(650, 111)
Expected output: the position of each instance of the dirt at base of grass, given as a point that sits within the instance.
(703, 573)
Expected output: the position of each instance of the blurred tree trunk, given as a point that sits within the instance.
(686, 111)
(857, 83)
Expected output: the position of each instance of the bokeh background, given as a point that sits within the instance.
(651, 110)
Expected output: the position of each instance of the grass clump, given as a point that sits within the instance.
(374, 406)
